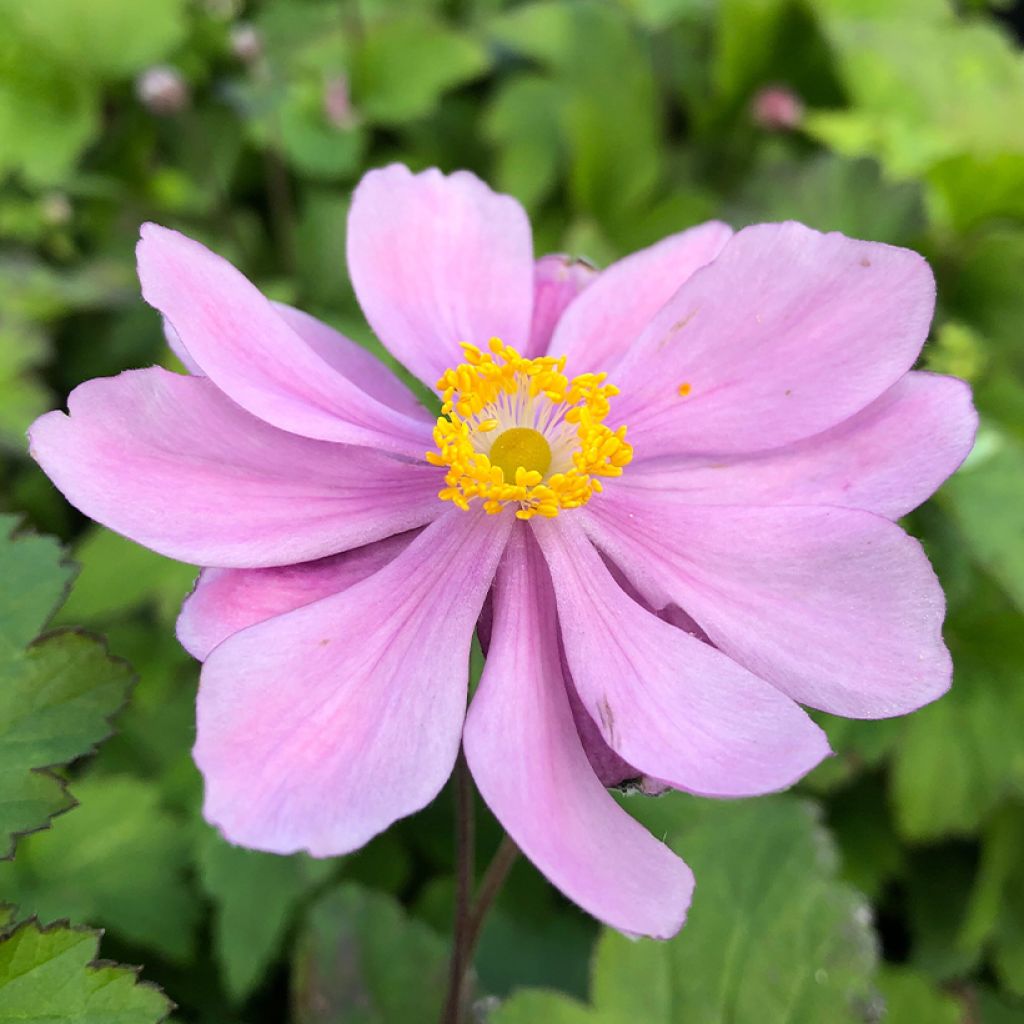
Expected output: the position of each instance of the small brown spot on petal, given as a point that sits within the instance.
(865, 262)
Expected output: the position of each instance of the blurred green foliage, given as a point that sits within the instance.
(615, 122)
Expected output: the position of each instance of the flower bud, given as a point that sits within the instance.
(338, 107)
(162, 90)
(777, 108)
(246, 42)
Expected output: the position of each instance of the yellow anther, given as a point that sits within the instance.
(533, 406)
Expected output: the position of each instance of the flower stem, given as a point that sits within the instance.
(469, 917)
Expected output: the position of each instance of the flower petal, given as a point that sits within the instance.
(438, 260)
(836, 607)
(527, 760)
(787, 333)
(557, 280)
(246, 347)
(172, 463)
(319, 728)
(888, 458)
(666, 702)
(226, 601)
(596, 330)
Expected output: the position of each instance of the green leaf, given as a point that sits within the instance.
(985, 499)
(923, 91)
(256, 896)
(118, 861)
(51, 975)
(610, 121)
(523, 125)
(961, 755)
(360, 960)
(831, 193)
(23, 346)
(118, 576)
(80, 36)
(771, 936)
(406, 63)
(911, 998)
(57, 696)
(46, 117)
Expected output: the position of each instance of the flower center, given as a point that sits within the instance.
(518, 431)
(521, 447)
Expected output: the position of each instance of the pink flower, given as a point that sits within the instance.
(656, 603)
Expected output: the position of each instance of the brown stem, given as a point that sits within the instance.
(494, 878)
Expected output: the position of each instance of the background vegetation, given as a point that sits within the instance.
(893, 877)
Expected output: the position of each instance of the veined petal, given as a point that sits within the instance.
(240, 340)
(439, 260)
(364, 369)
(597, 329)
(319, 728)
(666, 702)
(557, 280)
(348, 358)
(888, 458)
(838, 608)
(225, 601)
(172, 463)
(528, 762)
(786, 334)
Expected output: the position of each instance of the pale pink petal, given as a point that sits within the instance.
(225, 601)
(886, 459)
(787, 333)
(354, 362)
(597, 329)
(557, 280)
(531, 770)
(675, 707)
(175, 344)
(246, 347)
(838, 608)
(170, 462)
(349, 359)
(319, 728)
(439, 260)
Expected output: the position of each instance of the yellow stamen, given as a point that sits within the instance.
(551, 424)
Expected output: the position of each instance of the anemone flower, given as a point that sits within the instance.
(665, 493)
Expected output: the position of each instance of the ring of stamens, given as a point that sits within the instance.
(518, 431)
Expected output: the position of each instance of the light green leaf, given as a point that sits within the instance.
(118, 861)
(46, 117)
(771, 936)
(106, 38)
(256, 896)
(923, 91)
(360, 960)
(57, 696)
(406, 63)
(51, 976)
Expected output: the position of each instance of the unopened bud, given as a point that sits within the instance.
(162, 90)
(777, 108)
(246, 42)
(338, 107)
